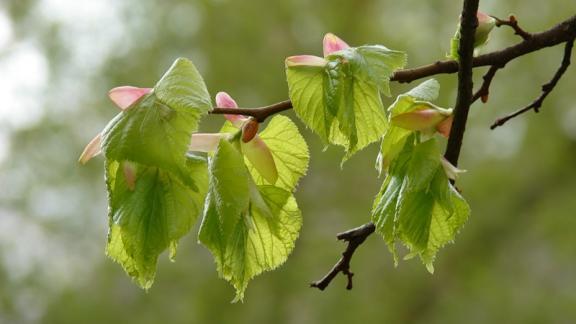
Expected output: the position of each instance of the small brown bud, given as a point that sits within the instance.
(249, 130)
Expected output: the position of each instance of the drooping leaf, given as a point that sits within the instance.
(252, 238)
(450, 213)
(386, 204)
(229, 182)
(423, 165)
(417, 205)
(150, 210)
(155, 189)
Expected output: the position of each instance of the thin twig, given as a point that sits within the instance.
(355, 237)
(546, 88)
(484, 90)
(468, 24)
(513, 23)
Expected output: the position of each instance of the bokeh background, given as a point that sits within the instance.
(514, 262)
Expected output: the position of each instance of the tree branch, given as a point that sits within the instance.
(561, 33)
(260, 114)
(546, 88)
(355, 237)
(468, 24)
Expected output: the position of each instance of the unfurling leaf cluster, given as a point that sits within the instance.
(162, 176)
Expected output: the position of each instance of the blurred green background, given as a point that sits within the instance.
(514, 262)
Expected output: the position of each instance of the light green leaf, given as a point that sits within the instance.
(156, 130)
(447, 219)
(416, 98)
(417, 205)
(414, 217)
(424, 162)
(395, 137)
(391, 145)
(341, 101)
(425, 91)
(257, 229)
(257, 243)
(306, 91)
(381, 63)
(182, 88)
(386, 204)
(150, 210)
(229, 181)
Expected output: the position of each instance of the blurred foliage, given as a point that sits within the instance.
(513, 262)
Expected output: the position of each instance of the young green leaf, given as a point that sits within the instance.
(156, 129)
(411, 112)
(248, 238)
(150, 210)
(417, 205)
(339, 99)
(155, 189)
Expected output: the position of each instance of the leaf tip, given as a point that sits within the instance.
(125, 96)
(91, 150)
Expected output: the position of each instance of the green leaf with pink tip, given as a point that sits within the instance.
(150, 209)
(155, 189)
(406, 117)
(417, 206)
(340, 101)
(256, 234)
(156, 130)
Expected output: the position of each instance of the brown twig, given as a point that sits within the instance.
(513, 23)
(546, 88)
(468, 24)
(260, 114)
(484, 90)
(561, 33)
(355, 237)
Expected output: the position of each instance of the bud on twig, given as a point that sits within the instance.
(249, 130)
